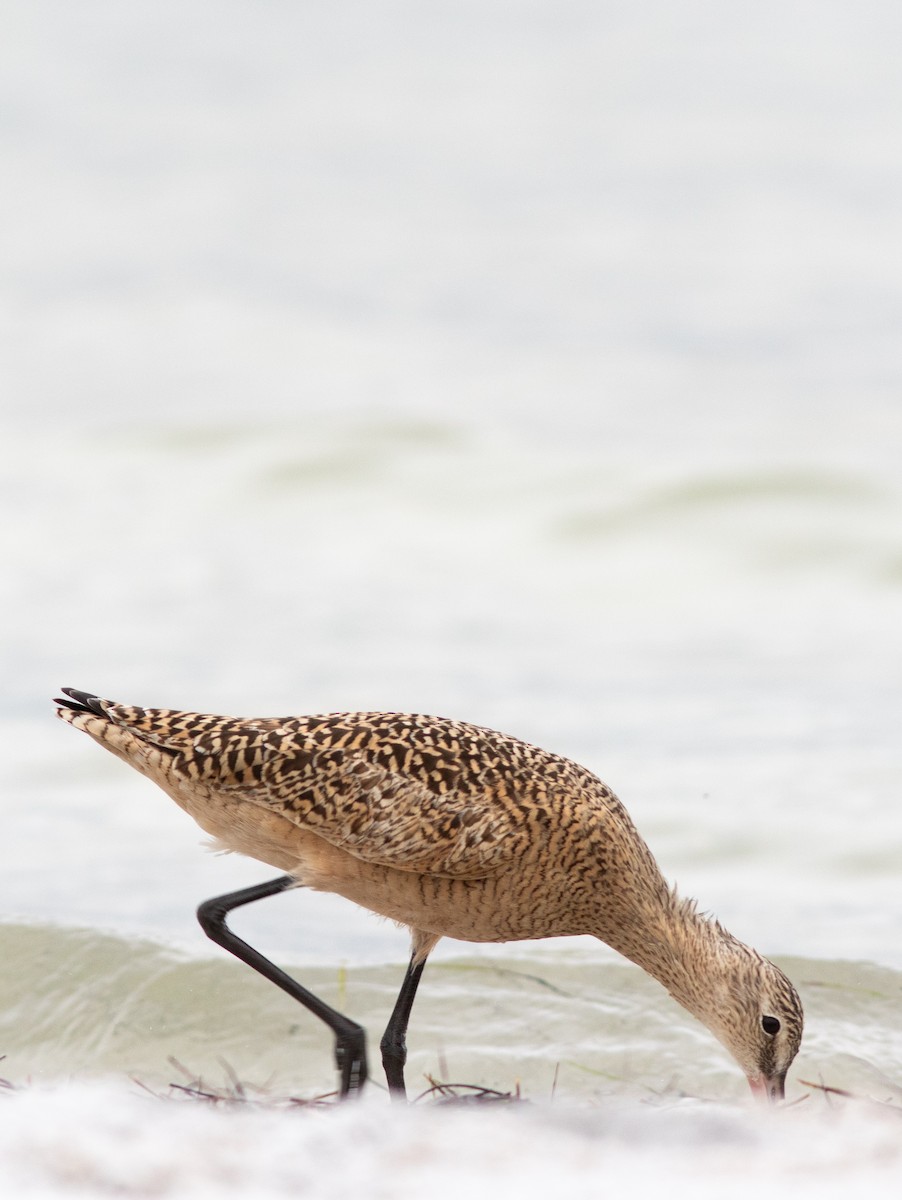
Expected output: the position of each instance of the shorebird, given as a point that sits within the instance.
(454, 831)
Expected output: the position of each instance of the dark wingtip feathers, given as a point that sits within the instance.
(81, 702)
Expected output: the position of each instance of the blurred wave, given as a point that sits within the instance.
(78, 1002)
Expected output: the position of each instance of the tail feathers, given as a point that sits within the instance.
(169, 730)
(84, 702)
(125, 729)
(126, 732)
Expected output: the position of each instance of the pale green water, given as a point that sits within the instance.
(553, 1018)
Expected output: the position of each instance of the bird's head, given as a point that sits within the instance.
(757, 1016)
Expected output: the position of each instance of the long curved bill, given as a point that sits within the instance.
(768, 1089)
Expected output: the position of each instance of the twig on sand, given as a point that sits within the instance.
(5, 1083)
(236, 1093)
(827, 1091)
(467, 1093)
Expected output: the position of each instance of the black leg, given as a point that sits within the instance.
(350, 1038)
(394, 1044)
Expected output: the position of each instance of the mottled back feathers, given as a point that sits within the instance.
(417, 793)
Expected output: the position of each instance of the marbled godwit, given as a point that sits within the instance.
(455, 831)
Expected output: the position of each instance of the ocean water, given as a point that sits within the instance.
(536, 365)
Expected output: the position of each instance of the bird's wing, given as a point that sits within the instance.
(398, 803)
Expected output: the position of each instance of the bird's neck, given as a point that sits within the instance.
(682, 949)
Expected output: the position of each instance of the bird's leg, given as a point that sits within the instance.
(393, 1044)
(350, 1038)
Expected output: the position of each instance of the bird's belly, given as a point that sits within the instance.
(455, 908)
(495, 909)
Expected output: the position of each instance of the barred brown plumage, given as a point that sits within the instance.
(455, 831)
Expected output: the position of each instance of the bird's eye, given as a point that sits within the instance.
(770, 1025)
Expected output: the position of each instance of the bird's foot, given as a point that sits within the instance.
(350, 1058)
